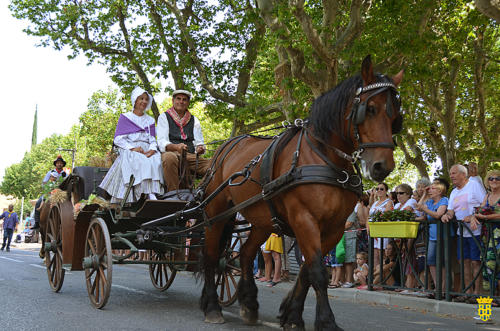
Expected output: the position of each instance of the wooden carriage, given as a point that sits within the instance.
(86, 240)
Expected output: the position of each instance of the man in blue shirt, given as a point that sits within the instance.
(10, 221)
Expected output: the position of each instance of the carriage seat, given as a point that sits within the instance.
(92, 177)
(181, 194)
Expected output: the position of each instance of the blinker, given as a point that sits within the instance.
(360, 114)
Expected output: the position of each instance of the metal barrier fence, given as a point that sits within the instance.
(489, 264)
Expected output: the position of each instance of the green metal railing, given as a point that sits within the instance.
(488, 244)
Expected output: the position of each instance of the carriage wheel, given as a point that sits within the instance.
(98, 263)
(226, 283)
(162, 275)
(53, 249)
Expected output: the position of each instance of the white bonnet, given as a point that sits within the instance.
(138, 92)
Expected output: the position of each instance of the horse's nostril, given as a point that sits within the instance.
(379, 171)
(378, 166)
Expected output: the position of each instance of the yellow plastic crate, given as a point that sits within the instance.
(394, 229)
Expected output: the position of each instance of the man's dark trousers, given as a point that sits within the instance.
(7, 236)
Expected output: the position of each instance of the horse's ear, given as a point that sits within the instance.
(398, 77)
(367, 71)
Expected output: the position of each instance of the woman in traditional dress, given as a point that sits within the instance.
(138, 153)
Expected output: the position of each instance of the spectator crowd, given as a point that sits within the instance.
(472, 209)
(410, 266)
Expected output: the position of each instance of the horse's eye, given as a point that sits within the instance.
(371, 110)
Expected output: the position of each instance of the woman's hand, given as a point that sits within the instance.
(472, 220)
(137, 149)
(421, 207)
(446, 218)
(150, 153)
(480, 216)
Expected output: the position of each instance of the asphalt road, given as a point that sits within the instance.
(28, 303)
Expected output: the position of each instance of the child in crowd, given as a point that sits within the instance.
(361, 272)
(390, 272)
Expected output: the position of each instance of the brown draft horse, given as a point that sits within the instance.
(353, 121)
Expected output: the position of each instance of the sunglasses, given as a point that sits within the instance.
(400, 193)
(494, 178)
(380, 189)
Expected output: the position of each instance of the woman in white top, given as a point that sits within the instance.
(379, 201)
(138, 153)
(404, 194)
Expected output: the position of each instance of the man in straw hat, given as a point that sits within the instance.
(178, 131)
(51, 176)
(57, 172)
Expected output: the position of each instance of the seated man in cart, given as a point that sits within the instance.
(51, 176)
(178, 131)
(138, 154)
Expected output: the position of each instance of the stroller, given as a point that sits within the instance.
(28, 236)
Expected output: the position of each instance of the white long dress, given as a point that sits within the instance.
(373, 209)
(148, 173)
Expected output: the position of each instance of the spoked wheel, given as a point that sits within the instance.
(98, 263)
(162, 275)
(53, 249)
(229, 269)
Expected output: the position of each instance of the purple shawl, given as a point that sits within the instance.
(126, 126)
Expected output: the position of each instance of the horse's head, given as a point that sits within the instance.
(374, 117)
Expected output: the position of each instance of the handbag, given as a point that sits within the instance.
(340, 251)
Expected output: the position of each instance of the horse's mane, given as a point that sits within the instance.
(328, 110)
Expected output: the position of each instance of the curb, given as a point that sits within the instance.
(26, 246)
(353, 295)
(461, 310)
(404, 301)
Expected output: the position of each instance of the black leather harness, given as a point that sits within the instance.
(328, 173)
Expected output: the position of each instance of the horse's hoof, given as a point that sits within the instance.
(41, 255)
(293, 326)
(214, 317)
(249, 317)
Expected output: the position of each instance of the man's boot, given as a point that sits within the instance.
(38, 206)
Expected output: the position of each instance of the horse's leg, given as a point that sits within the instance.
(209, 301)
(318, 277)
(293, 305)
(314, 273)
(43, 218)
(247, 290)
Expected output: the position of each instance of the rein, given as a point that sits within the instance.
(330, 173)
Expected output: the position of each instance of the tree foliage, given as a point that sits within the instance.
(93, 138)
(24, 179)
(255, 63)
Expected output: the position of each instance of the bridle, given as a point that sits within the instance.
(358, 114)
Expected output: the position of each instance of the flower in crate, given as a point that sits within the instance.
(393, 216)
